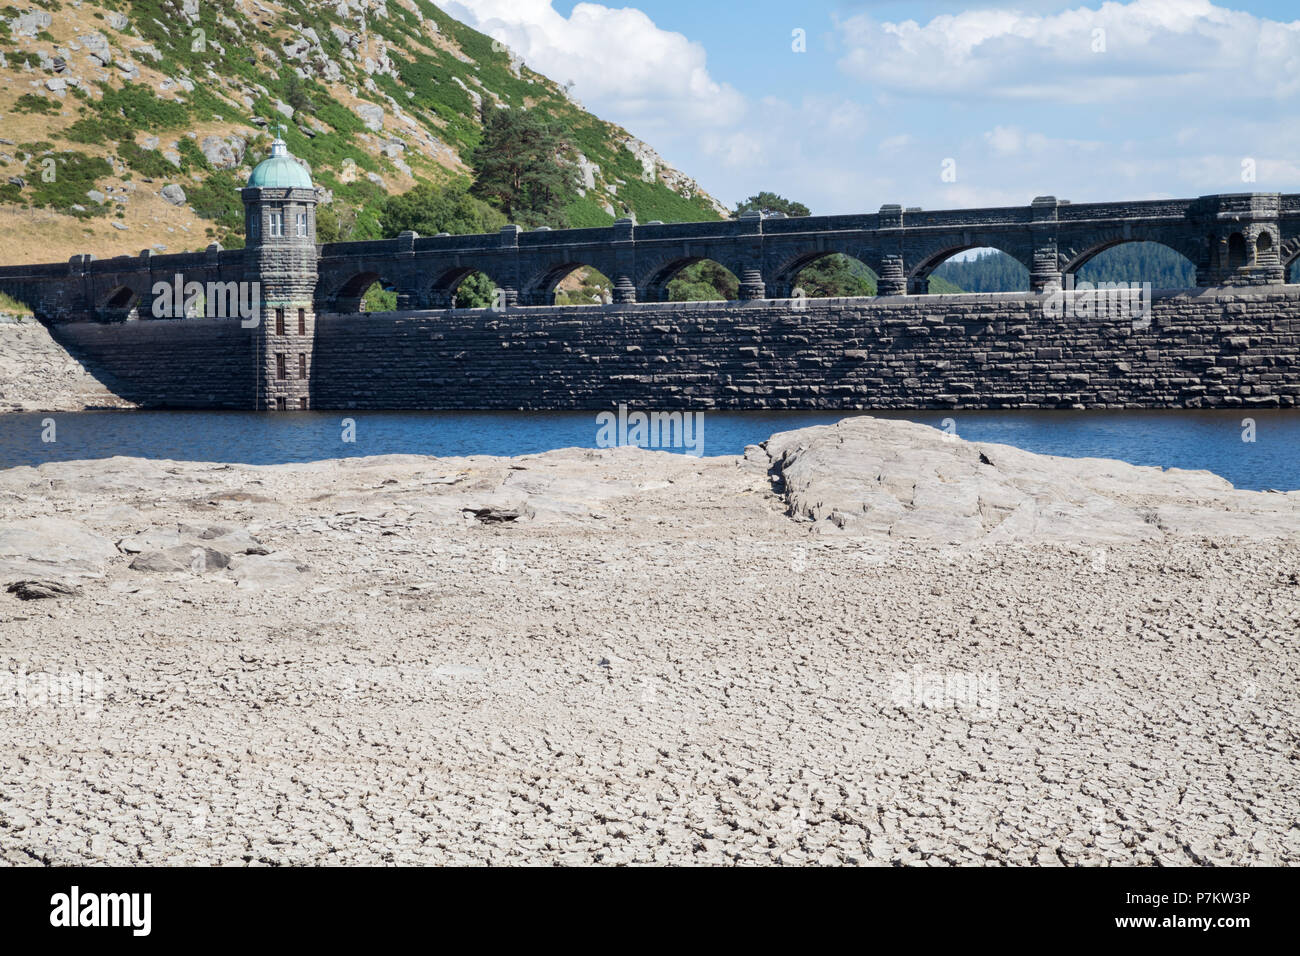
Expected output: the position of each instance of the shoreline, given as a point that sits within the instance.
(895, 653)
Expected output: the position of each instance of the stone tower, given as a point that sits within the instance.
(280, 255)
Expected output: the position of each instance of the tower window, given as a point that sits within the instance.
(302, 364)
(302, 404)
(281, 403)
(302, 225)
(279, 321)
(302, 321)
(277, 225)
(254, 227)
(279, 366)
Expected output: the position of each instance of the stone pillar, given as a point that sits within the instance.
(893, 274)
(508, 293)
(752, 285)
(624, 292)
(624, 243)
(1045, 274)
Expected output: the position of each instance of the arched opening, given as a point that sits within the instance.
(379, 298)
(1139, 262)
(365, 292)
(1263, 246)
(1293, 270)
(832, 275)
(971, 269)
(693, 279)
(466, 288)
(121, 303)
(1236, 251)
(572, 283)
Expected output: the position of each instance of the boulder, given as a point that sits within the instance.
(52, 549)
(186, 557)
(97, 46)
(371, 115)
(223, 153)
(31, 23)
(39, 590)
(173, 194)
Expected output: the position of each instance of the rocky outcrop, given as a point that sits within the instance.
(871, 477)
(38, 374)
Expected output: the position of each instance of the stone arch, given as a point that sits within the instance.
(782, 277)
(442, 292)
(348, 295)
(1196, 251)
(653, 283)
(1238, 251)
(118, 303)
(1263, 245)
(922, 263)
(539, 289)
(1288, 254)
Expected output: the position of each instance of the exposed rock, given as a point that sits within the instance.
(52, 549)
(793, 691)
(40, 590)
(371, 115)
(872, 476)
(173, 193)
(224, 153)
(96, 44)
(30, 23)
(185, 557)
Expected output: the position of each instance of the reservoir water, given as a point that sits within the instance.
(1211, 440)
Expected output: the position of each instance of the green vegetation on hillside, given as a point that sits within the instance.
(435, 77)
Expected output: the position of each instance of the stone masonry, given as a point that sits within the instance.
(1233, 340)
(1204, 348)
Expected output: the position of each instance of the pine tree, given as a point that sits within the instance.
(768, 203)
(518, 168)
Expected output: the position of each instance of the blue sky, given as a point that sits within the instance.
(939, 104)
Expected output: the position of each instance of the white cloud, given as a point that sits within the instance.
(1145, 50)
(623, 67)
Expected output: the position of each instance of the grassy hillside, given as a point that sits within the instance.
(103, 104)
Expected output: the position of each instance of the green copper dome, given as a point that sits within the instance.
(280, 170)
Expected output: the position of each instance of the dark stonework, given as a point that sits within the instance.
(1232, 342)
(1208, 348)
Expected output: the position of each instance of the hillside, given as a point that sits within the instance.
(132, 124)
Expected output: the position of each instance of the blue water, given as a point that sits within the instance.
(1169, 438)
